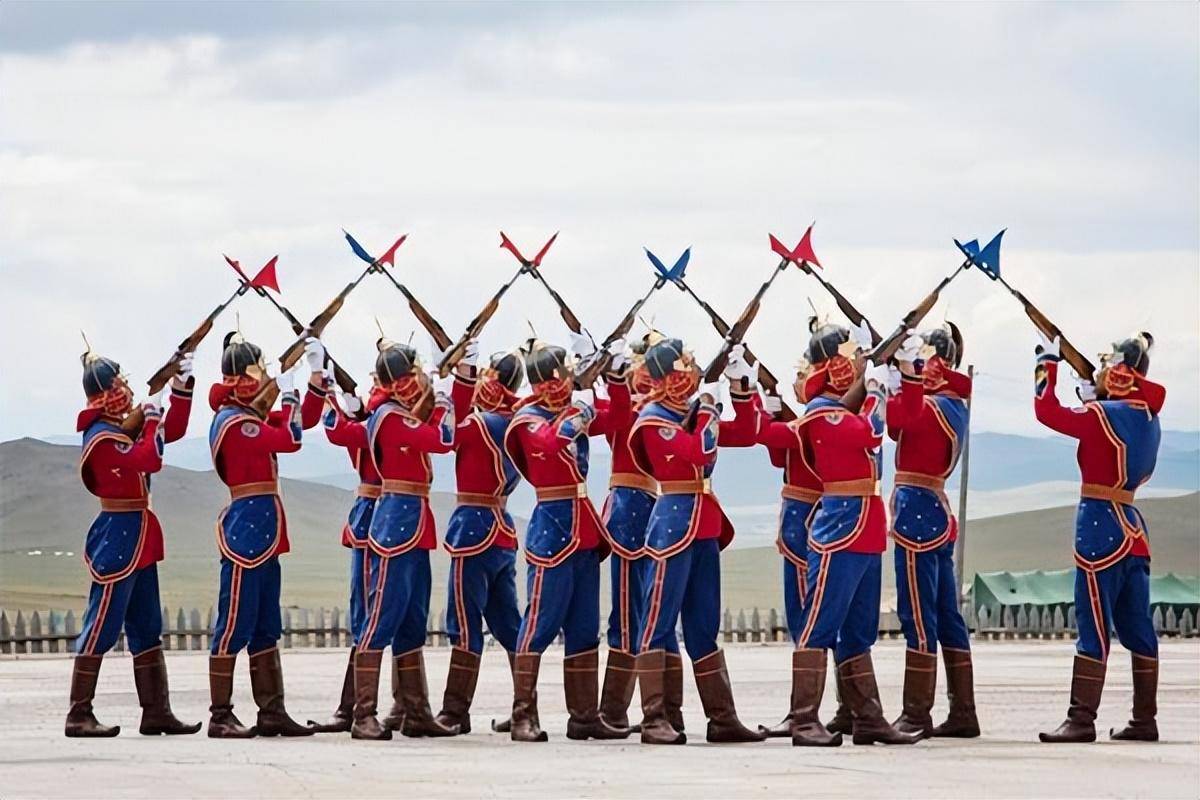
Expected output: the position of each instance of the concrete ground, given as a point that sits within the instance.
(1022, 688)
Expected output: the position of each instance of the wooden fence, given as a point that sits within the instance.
(55, 631)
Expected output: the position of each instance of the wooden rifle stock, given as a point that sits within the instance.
(845, 306)
(474, 328)
(602, 358)
(1083, 367)
(738, 331)
(292, 354)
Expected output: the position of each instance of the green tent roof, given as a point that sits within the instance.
(1057, 587)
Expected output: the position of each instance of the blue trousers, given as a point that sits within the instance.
(1117, 597)
(841, 608)
(687, 585)
(628, 589)
(360, 583)
(247, 608)
(795, 587)
(130, 603)
(564, 598)
(397, 602)
(927, 600)
(483, 587)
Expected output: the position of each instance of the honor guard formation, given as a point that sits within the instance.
(660, 527)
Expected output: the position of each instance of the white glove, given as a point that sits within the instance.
(350, 403)
(876, 376)
(1085, 389)
(185, 367)
(1049, 347)
(617, 351)
(772, 404)
(470, 354)
(861, 334)
(153, 404)
(286, 382)
(441, 386)
(713, 390)
(314, 354)
(737, 369)
(910, 348)
(581, 345)
(893, 385)
(586, 397)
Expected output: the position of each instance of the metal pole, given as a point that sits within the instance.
(960, 551)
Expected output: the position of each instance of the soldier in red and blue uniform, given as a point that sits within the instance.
(1118, 431)
(402, 432)
(481, 537)
(685, 533)
(344, 427)
(124, 544)
(245, 441)
(845, 543)
(547, 441)
(928, 421)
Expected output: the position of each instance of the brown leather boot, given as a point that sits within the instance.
(961, 723)
(505, 725)
(150, 678)
(673, 690)
(343, 716)
(656, 728)
(620, 677)
(843, 719)
(716, 695)
(81, 721)
(222, 724)
(266, 683)
(920, 683)
(861, 693)
(366, 697)
(414, 694)
(394, 720)
(808, 686)
(1087, 684)
(1142, 728)
(524, 713)
(580, 685)
(460, 690)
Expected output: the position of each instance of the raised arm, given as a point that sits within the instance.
(314, 402)
(742, 430)
(145, 455)
(904, 409)
(1074, 422)
(697, 447)
(436, 435)
(280, 432)
(614, 414)
(343, 431)
(553, 435)
(175, 422)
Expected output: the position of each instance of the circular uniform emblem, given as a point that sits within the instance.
(250, 429)
(532, 427)
(124, 447)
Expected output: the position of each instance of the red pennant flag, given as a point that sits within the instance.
(266, 276)
(389, 257)
(804, 250)
(237, 268)
(507, 244)
(780, 249)
(537, 260)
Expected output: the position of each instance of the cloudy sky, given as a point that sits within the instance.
(140, 142)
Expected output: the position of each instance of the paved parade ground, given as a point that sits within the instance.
(1022, 688)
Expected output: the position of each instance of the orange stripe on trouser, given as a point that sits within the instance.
(535, 602)
(624, 590)
(101, 614)
(376, 607)
(1098, 614)
(815, 610)
(660, 569)
(460, 605)
(914, 599)
(235, 595)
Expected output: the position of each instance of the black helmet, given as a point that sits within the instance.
(544, 362)
(239, 355)
(825, 341)
(946, 342)
(1134, 352)
(395, 361)
(99, 373)
(507, 367)
(662, 357)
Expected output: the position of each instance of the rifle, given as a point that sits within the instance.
(340, 375)
(766, 379)
(475, 326)
(600, 360)
(564, 311)
(988, 262)
(804, 252)
(845, 306)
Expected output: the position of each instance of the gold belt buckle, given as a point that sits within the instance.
(706, 486)
(580, 490)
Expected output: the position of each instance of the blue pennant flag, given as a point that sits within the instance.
(676, 271)
(986, 259)
(358, 248)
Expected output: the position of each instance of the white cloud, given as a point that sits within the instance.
(130, 164)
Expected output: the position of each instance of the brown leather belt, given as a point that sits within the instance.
(396, 486)
(920, 480)
(480, 499)
(253, 489)
(371, 490)
(633, 480)
(700, 486)
(570, 492)
(799, 493)
(118, 504)
(863, 487)
(1094, 491)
